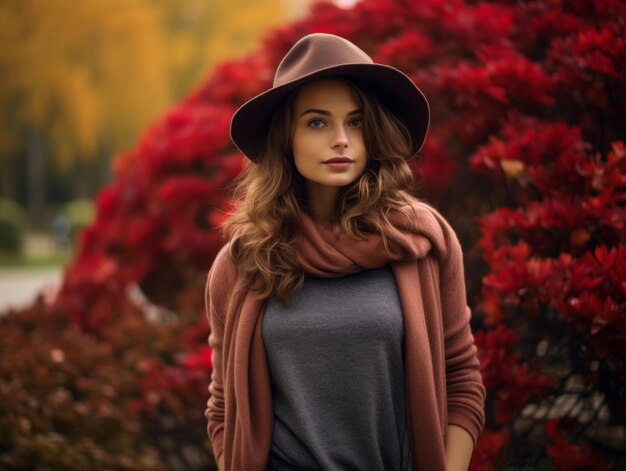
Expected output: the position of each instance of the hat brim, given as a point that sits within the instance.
(250, 123)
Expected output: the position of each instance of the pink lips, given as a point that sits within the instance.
(338, 162)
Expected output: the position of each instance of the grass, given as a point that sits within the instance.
(21, 261)
(39, 251)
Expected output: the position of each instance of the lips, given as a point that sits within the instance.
(338, 160)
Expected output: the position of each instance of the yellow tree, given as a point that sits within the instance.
(80, 80)
(81, 76)
(201, 33)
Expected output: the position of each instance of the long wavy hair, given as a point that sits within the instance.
(270, 194)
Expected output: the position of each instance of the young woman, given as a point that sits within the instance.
(339, 324)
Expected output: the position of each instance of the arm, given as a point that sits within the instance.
(459, 448)
(215, 303)
(465, 390)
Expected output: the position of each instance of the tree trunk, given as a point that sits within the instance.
(35, 179)
(8, 188)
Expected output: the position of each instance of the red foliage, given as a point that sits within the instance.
(503, 372)
(570, 457)
(67, 396)
(488, 450)
(529, 96)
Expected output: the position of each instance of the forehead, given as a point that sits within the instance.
(326, 93)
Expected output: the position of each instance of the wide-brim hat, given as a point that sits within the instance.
(322, 55)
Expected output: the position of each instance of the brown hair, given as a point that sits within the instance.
(270, 194)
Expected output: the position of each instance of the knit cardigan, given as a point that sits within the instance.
(442, 371)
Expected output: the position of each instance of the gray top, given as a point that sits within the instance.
(337, 374)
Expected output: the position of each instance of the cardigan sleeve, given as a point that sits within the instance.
(216, 304)
(465, 389)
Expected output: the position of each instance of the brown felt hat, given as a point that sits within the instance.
(322, 55)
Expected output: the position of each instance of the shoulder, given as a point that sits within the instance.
(222, 275)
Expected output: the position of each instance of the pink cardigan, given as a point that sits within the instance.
(443, 380)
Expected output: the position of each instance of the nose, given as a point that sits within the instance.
(340, 138)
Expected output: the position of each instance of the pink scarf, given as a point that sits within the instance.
(323, 254)
(443, 382)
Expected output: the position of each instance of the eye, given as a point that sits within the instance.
(315, 123)
(356, 122)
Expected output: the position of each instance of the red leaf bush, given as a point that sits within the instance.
(66, 396)
(525, 156)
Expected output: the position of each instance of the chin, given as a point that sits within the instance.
(339, 183)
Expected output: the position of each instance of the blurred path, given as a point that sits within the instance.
(19, 286)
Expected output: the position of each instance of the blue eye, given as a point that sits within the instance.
(315, 121)
(358, 121)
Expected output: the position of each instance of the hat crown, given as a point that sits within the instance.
(316, 52)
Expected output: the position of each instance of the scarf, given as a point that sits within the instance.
(443, 383)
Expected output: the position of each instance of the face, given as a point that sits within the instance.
(328, 124)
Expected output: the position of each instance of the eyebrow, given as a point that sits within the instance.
(328, 113)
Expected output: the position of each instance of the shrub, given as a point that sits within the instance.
(64, 398)
(79, 213)
(12, 226)
(71, 400)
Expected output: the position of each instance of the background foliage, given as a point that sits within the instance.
(83, 79)
(526, 159)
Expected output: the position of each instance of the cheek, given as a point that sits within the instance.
(298, 162)
(299, 155)
(301, 150)
(298, 145)
(361, 166)
(358, 142)
(363, 151)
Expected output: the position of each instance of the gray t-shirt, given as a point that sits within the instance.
(337, 373)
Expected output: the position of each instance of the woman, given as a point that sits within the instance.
(339, 324)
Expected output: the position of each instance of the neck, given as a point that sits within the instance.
(322, 201)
